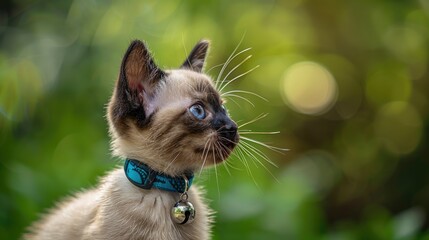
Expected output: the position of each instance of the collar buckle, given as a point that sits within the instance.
(148, 183)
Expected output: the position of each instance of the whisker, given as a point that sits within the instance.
(263, 165)
(171, 162)
(226, 166)
(259, 153)
(234, 101)
(219, 150)
(238, 157)
(275, 149)
(237, 77)
(250, 132)
(219, 146)
(230, 163)
(215, 66)
(217, 178)
(229, 140)
(226, 64)
(237, 66)
(246, 164)
(228, 60)
(238, 96)
(238, 144)
(246, 92)
(243, 159)
(186, 52)
(204, 156)
(246, 151)
(254, 120)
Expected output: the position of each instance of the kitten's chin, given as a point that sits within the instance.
(216, 153)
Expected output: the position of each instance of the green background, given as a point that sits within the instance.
(346, 84)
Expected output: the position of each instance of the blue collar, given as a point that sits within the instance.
(144, 177)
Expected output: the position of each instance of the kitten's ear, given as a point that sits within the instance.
(197, 57)
(137, 82)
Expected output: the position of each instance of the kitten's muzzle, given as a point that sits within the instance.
(227, 130)
(228, 135)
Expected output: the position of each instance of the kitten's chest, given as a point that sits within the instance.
(146, 214)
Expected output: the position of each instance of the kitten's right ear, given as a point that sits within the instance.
(137, 82)
(197, 57)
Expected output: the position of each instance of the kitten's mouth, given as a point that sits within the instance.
(219, 150)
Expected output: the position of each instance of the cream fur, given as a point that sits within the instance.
(119, 210)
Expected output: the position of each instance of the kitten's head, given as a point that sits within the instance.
(172, 120)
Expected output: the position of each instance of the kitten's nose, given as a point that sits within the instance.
(230, 131)
(226, 129)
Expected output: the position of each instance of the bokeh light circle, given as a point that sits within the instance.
(309, 88)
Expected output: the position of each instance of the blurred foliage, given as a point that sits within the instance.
(346, 83)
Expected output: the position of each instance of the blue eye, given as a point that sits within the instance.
(198, 111)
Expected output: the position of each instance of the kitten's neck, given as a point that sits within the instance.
(142, 176)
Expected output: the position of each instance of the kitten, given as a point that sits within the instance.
(168, 125)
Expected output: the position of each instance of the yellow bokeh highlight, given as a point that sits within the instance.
(309, 88)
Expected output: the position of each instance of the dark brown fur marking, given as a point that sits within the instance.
(138, 73)
(195, 60)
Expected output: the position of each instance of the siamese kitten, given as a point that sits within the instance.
(168, 125)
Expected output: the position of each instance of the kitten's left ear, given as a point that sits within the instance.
(197, 57)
